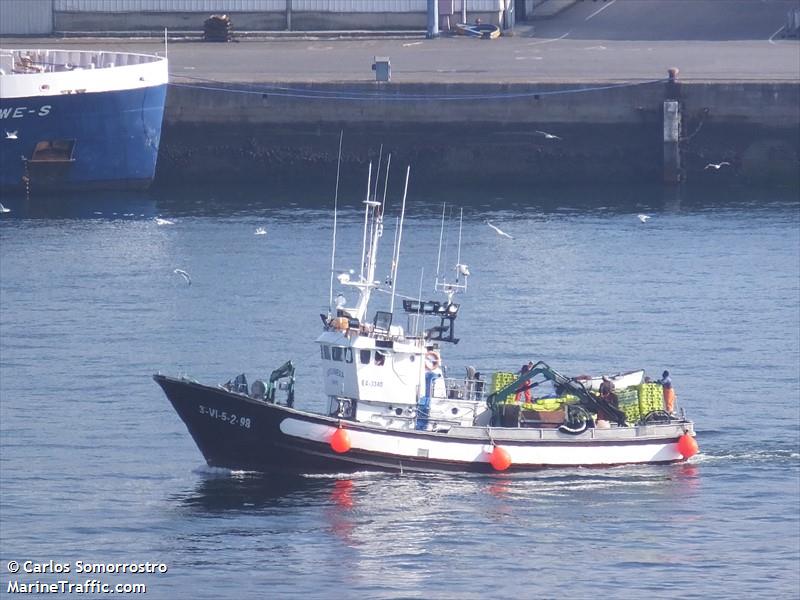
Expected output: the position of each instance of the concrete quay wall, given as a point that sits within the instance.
(250, 132)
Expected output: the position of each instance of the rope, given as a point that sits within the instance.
(294, 92)
(489, 433)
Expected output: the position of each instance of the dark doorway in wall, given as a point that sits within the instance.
(519, 10)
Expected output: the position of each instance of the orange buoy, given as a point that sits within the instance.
(687, 446)
(500, 459)
(340, 441)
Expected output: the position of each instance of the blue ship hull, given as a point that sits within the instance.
(112, 137)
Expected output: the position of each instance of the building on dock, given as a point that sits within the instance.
(44, 17)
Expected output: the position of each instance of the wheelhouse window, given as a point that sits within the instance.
(326, 352)
(348, 355)
(380, 358)
(337, 353)
(364, 356)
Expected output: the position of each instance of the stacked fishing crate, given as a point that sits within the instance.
(651, 397)
(640, 400)
(501, 379)
(507, 413)
(628, 399)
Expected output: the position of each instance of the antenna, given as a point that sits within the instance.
(419, 329)
(166, 48)
(450, 289)
(394, 251)
(460, 225)
(335, 210)
(385, 181)
(378, 173)
(366, 215)
(399, 238)
(441, 234)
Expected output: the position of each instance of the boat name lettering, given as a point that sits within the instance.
(21, 111)
(336, 372)
(222, 415)
(368, 383)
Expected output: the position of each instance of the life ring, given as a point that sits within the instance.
(431, 361)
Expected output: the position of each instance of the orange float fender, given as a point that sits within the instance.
(340, 441)
(687, 446)
(500, 459)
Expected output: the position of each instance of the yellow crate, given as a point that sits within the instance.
(651, 397)
(549, 404)
(632, 414)
(626, 396)
(501, 379)
(628, 399)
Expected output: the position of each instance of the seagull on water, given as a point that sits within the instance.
(12, 135)
(160, 221)
(183, 274)
(261, 231)
(3, 209)
(644, 218)
(717, 166)
(498, 230)
(547, 136)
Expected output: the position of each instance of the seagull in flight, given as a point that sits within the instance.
(12, 135)
(547, 136)
(644, 218)
(160, 221)
(261, 231)
(498, 230)
(717, 166)
(183, 274)
(3, 209)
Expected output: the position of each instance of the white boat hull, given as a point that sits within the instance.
(238, 432)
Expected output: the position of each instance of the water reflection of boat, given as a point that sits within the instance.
(393, 406)
(250, 491)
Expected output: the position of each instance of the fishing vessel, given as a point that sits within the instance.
(392, 405)
(75, 120)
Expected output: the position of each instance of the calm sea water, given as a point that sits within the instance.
(96, 467)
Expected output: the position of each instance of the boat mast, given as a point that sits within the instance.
(335, 211)
(366, 217)
(365, 285)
